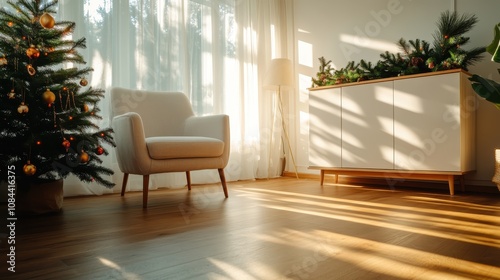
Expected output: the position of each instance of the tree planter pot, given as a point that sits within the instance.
(41, 197)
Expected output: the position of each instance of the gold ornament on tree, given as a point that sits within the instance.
(47, 21)
(84, 82)
(29, 169)
(49, 97)
(11, 94)
(23, 108)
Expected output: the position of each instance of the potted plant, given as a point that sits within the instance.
(490, 90)
(487, 88)
(47, 109)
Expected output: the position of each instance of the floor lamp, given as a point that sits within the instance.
(280, 74)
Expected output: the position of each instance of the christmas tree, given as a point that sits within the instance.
(48, 112)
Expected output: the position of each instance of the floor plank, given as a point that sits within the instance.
(267, 229)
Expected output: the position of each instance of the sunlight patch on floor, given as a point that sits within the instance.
(454, 225)
(121, 273)
(403, 262)
(231, 271)
(333, 249)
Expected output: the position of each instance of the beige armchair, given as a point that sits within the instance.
(157, 132)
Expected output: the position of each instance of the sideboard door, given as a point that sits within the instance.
(325, 128)
(368, 126)
(427, 123)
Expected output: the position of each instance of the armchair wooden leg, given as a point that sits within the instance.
(223, 181)
(145, 189)
(124, 184)
(188, 179)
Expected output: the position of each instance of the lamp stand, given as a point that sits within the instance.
(283, 125)
(271, 141)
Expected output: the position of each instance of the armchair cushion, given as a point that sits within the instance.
(178, 147)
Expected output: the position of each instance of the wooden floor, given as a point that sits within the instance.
(269, 229)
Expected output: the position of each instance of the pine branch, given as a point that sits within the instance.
(49, 6)
(473, 56)
(404, 46)
(450, 24)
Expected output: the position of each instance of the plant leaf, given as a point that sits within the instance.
(494, 47)
(487, 89)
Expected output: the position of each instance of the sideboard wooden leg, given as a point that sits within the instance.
(322, 177)
(451, 184)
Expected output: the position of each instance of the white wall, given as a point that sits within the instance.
(344, 31)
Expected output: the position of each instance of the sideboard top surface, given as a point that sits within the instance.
(393, 79)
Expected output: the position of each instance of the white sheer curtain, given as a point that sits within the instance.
(215, 51)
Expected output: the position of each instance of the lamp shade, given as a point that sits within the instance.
(279, 73)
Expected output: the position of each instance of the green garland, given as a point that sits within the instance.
(416, 57)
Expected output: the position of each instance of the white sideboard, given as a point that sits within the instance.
(411, 127)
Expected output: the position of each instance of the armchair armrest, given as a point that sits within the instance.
(131, 150)
(214, 126)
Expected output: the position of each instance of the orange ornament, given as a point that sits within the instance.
(66, 144)
(32, 52)
(84, 157)
(31, 69)
(29, 169)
